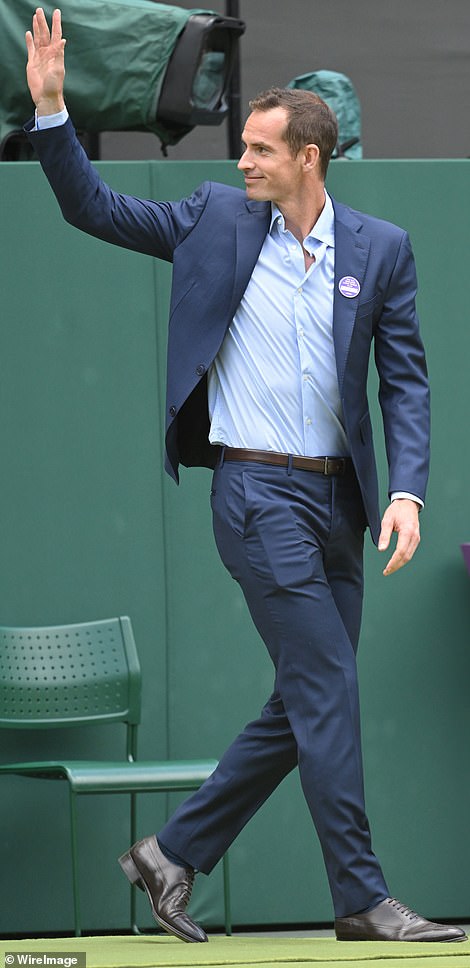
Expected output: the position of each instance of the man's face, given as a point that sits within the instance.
(271, 173)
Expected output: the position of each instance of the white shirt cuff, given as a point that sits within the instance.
(405, 494)
(50, 120)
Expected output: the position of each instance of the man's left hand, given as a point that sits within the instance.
(401, 516)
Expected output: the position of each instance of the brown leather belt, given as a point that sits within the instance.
(321, 465)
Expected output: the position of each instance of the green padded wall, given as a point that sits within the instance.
(91, 527)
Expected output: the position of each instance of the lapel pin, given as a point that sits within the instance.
(349, 287)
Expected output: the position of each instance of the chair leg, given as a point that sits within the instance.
(227, 910)
(75, 878)
(133, 816)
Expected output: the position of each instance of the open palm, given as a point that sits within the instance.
(45, 70)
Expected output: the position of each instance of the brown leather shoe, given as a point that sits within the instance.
(392, 921)
(167, 885)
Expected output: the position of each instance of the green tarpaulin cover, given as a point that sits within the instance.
(338, 92)
(116, 56)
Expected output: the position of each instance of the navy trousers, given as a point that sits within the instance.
(294, 541)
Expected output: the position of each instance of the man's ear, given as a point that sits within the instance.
(311, 157)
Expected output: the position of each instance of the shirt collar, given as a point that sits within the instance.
(322, 231)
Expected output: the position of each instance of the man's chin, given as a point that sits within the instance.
(256, 189)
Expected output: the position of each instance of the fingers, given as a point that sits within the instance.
(42, 36)
(386, 532)
(56, 35)
(404, 551)
(29, 43)
(41, 33)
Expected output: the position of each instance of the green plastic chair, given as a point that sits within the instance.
(70, 675)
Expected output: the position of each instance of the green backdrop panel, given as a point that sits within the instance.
(91, 527)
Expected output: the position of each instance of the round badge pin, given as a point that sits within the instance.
(349, 287)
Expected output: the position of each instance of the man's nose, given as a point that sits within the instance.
(245, 161)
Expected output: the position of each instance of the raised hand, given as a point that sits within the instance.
(45, 70)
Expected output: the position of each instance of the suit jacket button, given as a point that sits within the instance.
(200, 369)
(172, 411)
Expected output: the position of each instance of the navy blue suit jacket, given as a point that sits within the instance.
(213, 240)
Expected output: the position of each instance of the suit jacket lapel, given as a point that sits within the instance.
(252, 226)
(351, 256)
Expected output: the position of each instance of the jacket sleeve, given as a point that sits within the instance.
(403, 389)
(88, 203)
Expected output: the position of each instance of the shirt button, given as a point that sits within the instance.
(308, 421)
(300, 290)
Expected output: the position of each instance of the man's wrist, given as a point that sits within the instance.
(406, 496)
(50, 120)
(47, 106)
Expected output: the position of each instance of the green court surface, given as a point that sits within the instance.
(238, 952)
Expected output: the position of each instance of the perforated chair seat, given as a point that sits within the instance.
(86, 674)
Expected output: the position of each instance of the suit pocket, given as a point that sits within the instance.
(365, 429)
(367, 308)
(275, 546)
(182, 296)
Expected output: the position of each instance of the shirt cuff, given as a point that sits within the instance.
(50, 120)
(412, 497)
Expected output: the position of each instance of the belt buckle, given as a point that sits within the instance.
(325, 469)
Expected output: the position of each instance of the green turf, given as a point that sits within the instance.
(162, 951)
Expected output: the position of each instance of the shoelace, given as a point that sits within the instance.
(402, 909)
(189, 886)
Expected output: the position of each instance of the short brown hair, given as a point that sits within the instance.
(310, 120)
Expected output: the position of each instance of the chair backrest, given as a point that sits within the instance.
(66, 675)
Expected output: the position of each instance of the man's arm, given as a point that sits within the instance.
(86, 201)
(404, 399)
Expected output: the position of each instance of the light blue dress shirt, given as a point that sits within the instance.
(50, 120)
(273, 384)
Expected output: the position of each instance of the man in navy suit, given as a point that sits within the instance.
(278, 295)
